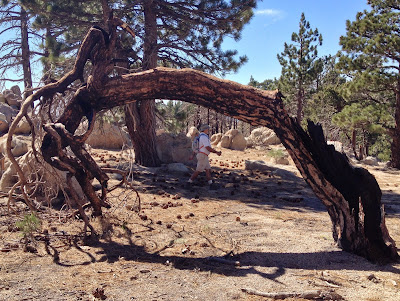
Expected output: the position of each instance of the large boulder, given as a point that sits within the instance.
(225, 141)
(19, 146)
(173, 148)
(106, 135)
(8, 111)
(23, 127)
(215, 139)
(262, 136)
(2, 98)
(16, 90)
(238, 142)
(372, 161)
(12, 99)
(232, 139)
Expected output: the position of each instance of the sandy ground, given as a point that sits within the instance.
(259, 232)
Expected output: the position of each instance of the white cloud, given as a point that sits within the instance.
(269, 12)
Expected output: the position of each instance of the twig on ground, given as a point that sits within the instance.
(310, 295)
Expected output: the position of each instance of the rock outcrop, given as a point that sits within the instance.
(262, 136)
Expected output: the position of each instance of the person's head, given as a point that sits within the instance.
(193, 132)
(204, 128)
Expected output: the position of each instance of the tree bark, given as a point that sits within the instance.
(25, 54)
(395, 147)
(140, 116)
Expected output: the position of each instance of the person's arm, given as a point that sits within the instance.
(211, 150)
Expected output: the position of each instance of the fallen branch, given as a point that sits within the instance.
(311, 295)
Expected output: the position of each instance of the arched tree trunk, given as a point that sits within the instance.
(355, 209)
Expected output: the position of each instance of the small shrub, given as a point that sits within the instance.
(30, 224)
(276, 153)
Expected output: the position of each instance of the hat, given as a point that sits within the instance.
(204, 127)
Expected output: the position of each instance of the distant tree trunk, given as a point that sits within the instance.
(395, 147)
(25, 54)
(300, 100)
(140, 116)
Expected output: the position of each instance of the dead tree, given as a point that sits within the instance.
(357, 218)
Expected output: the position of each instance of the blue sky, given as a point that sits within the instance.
(274, 22)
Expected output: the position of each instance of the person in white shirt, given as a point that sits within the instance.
(205, 149)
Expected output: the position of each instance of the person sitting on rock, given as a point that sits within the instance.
(204, 149)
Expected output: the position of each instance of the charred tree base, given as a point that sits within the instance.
(364, 235)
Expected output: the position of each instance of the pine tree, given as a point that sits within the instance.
(15, 19)
(300, 65)
(371, 59)
(168, 33)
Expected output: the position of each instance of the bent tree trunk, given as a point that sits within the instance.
(356, 214)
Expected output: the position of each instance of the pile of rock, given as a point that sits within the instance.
(262, 136)
(106, 135)
(232, 139)
(10, 103)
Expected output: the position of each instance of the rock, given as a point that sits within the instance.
(372, 161)
(23, 127)
(9, 112)
(256, 165)
(173, 148)
(177, 167)
(12, 99)
(338, 145)
(262, 136)
(3, 123)
(106, 135)
(215, 139)
(225, 141)
(238, 142)
(19, 146)
(16, 90)
(232, 132)
(281, 160)
(285, 174)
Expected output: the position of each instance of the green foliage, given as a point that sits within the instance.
(357, 116)
(370, 59)
(174, 115)
(268, 84)
(30, 224)
(381, 148)
(300, 66)
(275, 153)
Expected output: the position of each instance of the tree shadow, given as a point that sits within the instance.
(250, 262)
(272, 188)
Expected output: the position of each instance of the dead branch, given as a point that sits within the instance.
(310, 295)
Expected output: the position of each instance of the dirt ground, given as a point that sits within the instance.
(261, 232)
